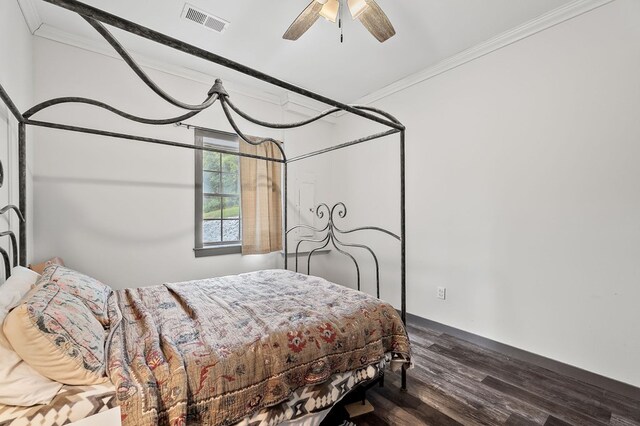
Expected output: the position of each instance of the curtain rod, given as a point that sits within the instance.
(207, 129)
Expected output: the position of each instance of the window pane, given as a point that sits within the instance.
(211, 160)
(220, 190)
(211, 231)
(231, 208)
(211, 207)
(231, 230)
(230, 163)
(230, 183)
(211, 182)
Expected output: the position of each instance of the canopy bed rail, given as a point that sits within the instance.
(217, 94)
(107, 18)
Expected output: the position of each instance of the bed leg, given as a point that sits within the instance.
(404, 379)
(381, 383)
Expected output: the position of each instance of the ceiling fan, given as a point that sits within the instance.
(366, 11)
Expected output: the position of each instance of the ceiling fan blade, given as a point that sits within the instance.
(304, 21)
(375, 20)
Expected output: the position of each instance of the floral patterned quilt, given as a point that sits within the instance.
(218, 350)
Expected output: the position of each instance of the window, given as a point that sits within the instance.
(218, 207)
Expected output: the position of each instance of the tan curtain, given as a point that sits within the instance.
(261, 199)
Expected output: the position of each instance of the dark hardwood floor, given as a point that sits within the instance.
(455, 382)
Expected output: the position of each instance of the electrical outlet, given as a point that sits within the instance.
(442, 293)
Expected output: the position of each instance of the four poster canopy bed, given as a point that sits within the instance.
(261, 348)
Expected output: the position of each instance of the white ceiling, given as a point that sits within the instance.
(428, 31)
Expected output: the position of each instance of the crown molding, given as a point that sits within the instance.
(30, 14)
(298, 104)
(541, 23)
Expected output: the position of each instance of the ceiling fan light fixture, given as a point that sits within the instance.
(368, 12)
(330, 10)
(356, 7)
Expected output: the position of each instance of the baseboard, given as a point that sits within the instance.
(584, 376)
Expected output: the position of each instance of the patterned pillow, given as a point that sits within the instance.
(92, 292)
(58, 336)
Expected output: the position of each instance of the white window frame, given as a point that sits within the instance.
(228, 142)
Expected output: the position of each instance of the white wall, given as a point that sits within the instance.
(523, 192)
(16, 76)
(123, 211)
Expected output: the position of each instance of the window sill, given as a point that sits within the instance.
(217, 250)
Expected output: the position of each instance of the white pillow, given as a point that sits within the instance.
(16, 287)
(19, 383)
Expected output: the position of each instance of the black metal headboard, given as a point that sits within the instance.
(14, 242)
(332, 234)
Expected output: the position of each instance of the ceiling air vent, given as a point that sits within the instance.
(203, 18)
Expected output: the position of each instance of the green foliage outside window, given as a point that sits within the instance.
(221, 190)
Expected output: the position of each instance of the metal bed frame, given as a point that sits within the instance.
(332, 233)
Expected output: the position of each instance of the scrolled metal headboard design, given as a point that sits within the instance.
(332, 234)
(14, 242)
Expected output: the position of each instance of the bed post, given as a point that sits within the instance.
(403, 245)
(22, 171)
(9, 103)
(22, 184)
(284, 219)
